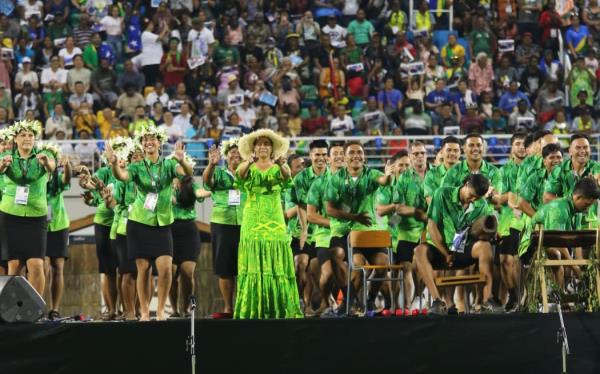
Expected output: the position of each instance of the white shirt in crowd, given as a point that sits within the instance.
(62, 123)
(173, 130)
(68, 57)
(337, 34)
(339, 127)
(200, 41)
(184, 122)
(152, 49)
(112, 26)
(31, 9)
(30, 76)
(153, 97)
(48, 75)
(247, 116)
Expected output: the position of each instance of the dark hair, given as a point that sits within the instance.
(588, 188)
(550, 149)
(416, 143)
(334, 144)
(579, 136)
(401, 153)
(347, 145)
(479, 183)
(473, 135)
(450, 140)
(186, 196)
(528, 140)
(293, 157)
(517, 136)
(319, 143)
(540, 134)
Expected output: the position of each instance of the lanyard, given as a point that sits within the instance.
(155, 183)
(24, 168)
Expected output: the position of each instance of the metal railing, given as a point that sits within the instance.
(377, 148)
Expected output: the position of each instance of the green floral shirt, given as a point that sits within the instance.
(559, 214)
(353, 195)
(447, 212)
(508, 183)
(293, 224)
(25, 172)
(532, 189)
(316, 198)
(384, 196)
(408, 190)
(59, 220)
(433, 179)
(223, 213)
(529, 165)
(124, 195)
(457, 174)
(189, 213)
(104, 215)
(301, 184)
(153, 178)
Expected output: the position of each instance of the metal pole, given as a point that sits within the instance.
(562, 336)
(191, 343)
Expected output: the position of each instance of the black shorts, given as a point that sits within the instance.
(342, 242)
(225, 242)
(309, 248)
(149, 242)
(126, 261)
(405, 251)
(106, 253)
(461, 260)
(23, 237)
(509, 245)
(57, 244)
(186, 241)
(295, 244)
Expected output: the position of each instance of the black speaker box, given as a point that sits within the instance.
(19, 301)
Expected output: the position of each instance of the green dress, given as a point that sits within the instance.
(266, 283)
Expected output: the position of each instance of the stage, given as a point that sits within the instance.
(515, 343)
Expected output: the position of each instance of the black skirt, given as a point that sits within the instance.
(57, 244)
(126, 260)
(225, 240)
(23, 237)
(149, 242)
(186, 241)
(105, 251)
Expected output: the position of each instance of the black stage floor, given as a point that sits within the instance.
(473, 344)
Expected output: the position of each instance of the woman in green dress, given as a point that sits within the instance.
(266, 285)
(6, 143)
(24, 207)
(58, 229)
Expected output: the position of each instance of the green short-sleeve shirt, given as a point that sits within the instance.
(299, 195)
(293, 224)
(447, 212)
(408, 190)
(384, 196)
(124, 195)
(27, 173)
(153, 178)
(185, 213)
(508, 183)
(559, 214)
(457, 174)
(527, 167)
(532, 189)
(104, 215)
(433, 179)
(316, 198)
(353, 195)
(223, 181)
(59, 219)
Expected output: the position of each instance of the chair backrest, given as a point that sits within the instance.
(557, 238)
(370, 239)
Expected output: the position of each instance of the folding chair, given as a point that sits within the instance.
(562, 239)
(375, 239)
(461, 280)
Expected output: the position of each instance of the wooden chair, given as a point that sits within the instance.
(372, 240)
(461, 280)
(562, 239)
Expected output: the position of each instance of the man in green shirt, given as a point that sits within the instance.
(450, 153)
(361, 28)
(480, 39)
(534, 143)
(307, 266)
(452, 211)
(226, 218)
(565, 214)
(226, 53)
(350, 205)
(510, 223)
(316, 209)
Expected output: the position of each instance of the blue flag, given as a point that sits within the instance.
(134, 34)
(106, 52)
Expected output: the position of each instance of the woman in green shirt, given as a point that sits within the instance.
(6, 143)
(186, 239)
(58, 229)
(266, 284)
(23, 207)
(149, 223)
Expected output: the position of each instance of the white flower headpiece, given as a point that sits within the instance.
(187, 157)
(227, 145)
(34, 126)
(123, 146)
(6, 134)
(158, 132)
(50, 147)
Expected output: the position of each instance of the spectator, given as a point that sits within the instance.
(224, 51)
(373, 121)
(522, 120)
(174, 131)
(258, 30)
(58, 121)
(58, 27)
(23, 50)
(390, 99)
(129, 101)
(481, 39)
(436, 98)
(496, 123)
(139, 121)
(549, 100)
(87, 151)
(79, 96)
(581, 79)
(67, 53)
(510, 99)
(173, 66)
(423, 21)
(273, 55)
(309, 31)
(156, 112)
(463, 98)
(28, 100)
(559, 124)
(82, 33)
(294, 120)
(152, 52)
(36, 32)
(247, 114)
(79, 73)
(527, 50)
(471, 122)
(505, 73)
(342, 124)
(131, 76)
(578, 37)
(104, 84)
(114, 26)
(584, 124)
(444, 119)
(106, 118)
(4, 121)
(549, 66)
(481, 74)
(47, 51)
(54, 77)
(581, 105)
(26, 75)
(315, 124)
(417, 122)
(532, 80)
(452, 49)
(85, 120)
(200, 39)
(232, 128)
(96, 51)
(184, 119)
(157, 95)
(337, 34)
(232, 90)
(29, 8)
(119, 127)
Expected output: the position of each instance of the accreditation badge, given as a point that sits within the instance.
(151, 201)
(22, 195)
(49, 214)
(234, 198)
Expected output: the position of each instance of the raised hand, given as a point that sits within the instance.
(110, 154)
(42, 159)
(214, 155)
(179, 152)
(6, 161)
(64, 159)
(389, 168)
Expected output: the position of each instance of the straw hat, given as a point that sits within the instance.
(246, 144)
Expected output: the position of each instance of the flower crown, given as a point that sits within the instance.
(6, 134)
(122, 146)
(34, 126)
(50, 147)
(187, 158)
(228, 145)
(158, 132)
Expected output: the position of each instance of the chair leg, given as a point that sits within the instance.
(365, 294)
(543, 290)
(401, 293)
(466, 296)
(348, 290)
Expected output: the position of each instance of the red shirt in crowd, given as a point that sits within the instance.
(178, 60)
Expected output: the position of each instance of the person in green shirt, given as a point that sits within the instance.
(361, 28)
(316, 212)
(23, 208)
(58, 229)
(226, 54)
(225, 219)
(451, 212)
(450, 153)
(480, 39)
(186, 240)
(565, 214)
(534, 143)
(510, 224)
(149, 222)
(350, 205)
(307, 264)
(6, 143)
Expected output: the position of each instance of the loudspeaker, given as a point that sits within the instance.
(19, 301)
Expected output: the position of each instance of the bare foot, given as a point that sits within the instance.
(161, 316)
(145, 317)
